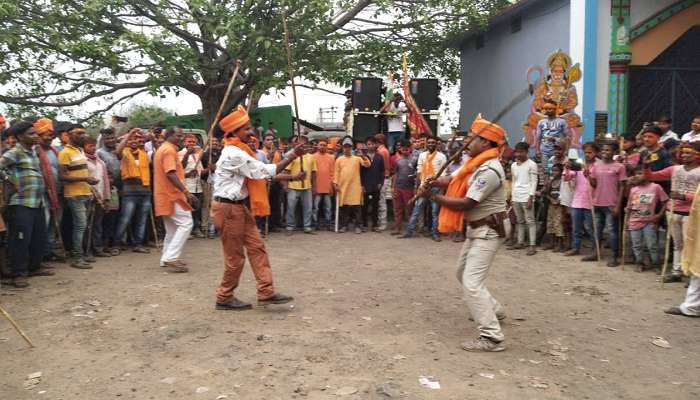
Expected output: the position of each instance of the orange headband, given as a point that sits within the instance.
(488, 130)
(234, 120)
(43, 126)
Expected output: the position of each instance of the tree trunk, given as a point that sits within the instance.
(211, 101)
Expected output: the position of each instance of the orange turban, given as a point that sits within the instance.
(234, 120)
(488, 130)
(43, 126)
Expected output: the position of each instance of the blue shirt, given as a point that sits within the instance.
(550, 132)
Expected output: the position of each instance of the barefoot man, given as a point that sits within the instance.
(476, 195)
(239, 186)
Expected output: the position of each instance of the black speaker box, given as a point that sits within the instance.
(426, 93)
(367, 94)
(364, 126)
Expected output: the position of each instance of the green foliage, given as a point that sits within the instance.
(64, 53)
(146, 115)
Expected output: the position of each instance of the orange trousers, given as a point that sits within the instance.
(238, 231)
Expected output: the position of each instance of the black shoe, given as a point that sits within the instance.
(672, 278)
(234, 304)
(276, 298)
(405, 236)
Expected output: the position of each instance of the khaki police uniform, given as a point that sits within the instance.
(486, 186)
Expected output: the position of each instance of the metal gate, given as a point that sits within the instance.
(656, 91)
(669, 85)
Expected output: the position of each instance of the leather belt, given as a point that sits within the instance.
(486, 220)
(493, 221)
(229, 201)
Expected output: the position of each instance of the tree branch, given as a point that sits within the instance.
(314, 87)
(112, 104)
(349, 15)
(115, 88)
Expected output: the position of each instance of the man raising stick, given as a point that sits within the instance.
(476, 193)
(239, 183)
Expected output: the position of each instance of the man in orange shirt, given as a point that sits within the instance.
(323, 190)
(172, 200)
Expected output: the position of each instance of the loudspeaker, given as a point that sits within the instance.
(367, 94)
(426, 93)
(364, 126)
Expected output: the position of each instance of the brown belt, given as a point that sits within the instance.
(494, 221)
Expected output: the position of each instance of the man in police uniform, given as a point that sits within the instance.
(482, 200)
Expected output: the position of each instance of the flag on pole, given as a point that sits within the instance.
(416, 123)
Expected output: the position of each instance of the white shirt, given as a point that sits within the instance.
(438, 161)
(395, 124)
(232, 169)
(97, 168)
(691, 136)
(668, 135)
(194, 163)
(524, 180)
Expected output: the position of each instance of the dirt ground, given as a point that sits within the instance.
(372, 315)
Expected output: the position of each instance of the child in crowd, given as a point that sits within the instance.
(508, 186)
(524, 178)
(581, 217)
(643, 222)
(607, 179)
(684, 182)
(555, 226)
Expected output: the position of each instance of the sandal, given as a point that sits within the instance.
(141, 249)
(114, 251)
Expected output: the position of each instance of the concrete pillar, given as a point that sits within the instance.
(620, 57)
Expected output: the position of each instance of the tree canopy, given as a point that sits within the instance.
(146, 115)
(64, 53)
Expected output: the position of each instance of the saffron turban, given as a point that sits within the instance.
(234, 120)
(43, 126)
(488, 130)
(2, 121)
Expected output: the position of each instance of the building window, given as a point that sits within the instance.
(516, 24)
(479, 41)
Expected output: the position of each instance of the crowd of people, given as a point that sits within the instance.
(67, 193)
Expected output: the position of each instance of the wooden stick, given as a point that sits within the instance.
(155, 231)
(667, 245)
(210, 134)
(290, 69)
(57, 229)
(91, 220)
(17, 328)
(596, 238)
(624, 240)
(513, 102)
(337, 211)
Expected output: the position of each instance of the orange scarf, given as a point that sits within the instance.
(427, 170)
(451, 220)
(131, 169)
(257, 188)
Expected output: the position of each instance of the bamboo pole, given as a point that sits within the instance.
(667, 245)
(290, 69)
(16, 326)
(596, 238)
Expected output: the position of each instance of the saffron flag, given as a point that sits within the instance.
(416, 123)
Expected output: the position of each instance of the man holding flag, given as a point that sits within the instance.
(476, 194)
